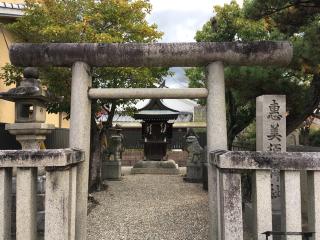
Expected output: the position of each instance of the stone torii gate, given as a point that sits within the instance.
(81, 57)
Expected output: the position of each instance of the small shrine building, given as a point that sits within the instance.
(156, 129)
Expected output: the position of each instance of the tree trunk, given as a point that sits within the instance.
(231, 117)
(98, 144)
(111, 114)
(95, 158)
(235, 126)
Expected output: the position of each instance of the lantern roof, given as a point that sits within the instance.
(29, 88)
(24, 93)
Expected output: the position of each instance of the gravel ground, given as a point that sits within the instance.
(149, 207)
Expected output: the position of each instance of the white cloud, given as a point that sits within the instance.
(183, 5)
(179, 26)
(180, 19)
(178, 80)
(186, 5)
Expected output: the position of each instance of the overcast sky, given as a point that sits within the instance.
(179, 20)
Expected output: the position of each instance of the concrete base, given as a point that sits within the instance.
(156, 167)
(111, 170)
(194, 173)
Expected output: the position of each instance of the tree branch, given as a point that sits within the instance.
(273, 11)
(295, 120)
(310, 4)
(111, 114)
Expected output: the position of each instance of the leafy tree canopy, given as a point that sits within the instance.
(299, 81)
(109, 21)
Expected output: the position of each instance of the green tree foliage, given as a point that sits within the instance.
(299, 21)
(299, 82)
(290, 15)
(314, 138)
(108, 21)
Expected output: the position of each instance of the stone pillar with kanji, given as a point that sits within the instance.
(271, 136)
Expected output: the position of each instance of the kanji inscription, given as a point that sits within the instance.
(274, 110)
(274, 136)
(271, 134)
(271, 123)
(274, 132)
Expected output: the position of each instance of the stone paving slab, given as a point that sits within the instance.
(150, 207)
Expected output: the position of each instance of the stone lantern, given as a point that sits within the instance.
(30, 111)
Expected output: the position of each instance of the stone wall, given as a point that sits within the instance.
(131, 156)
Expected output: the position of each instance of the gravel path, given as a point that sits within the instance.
(150, 207)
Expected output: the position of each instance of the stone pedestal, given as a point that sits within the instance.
(194, 172)
(156, 167)
(196, 159)
(111, 170)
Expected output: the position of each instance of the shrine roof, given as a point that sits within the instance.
(157, 104)
(155, 110)
(155, 115)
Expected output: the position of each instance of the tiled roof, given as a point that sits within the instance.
(12, 5)
(11, 10)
